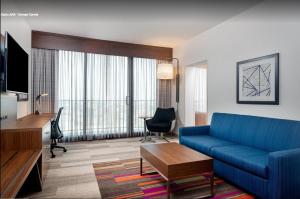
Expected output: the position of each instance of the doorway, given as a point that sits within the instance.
(196, 94)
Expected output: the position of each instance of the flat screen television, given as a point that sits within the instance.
(16, 62)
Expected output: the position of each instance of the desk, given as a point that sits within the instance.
(24, 146)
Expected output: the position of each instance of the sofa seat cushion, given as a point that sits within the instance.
(203, 143)
(252, 160)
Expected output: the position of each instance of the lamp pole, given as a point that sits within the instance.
(177, 79)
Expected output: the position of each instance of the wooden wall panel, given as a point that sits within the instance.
(56, 41)
(21, 140)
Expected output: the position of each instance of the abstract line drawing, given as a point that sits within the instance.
(256, 80)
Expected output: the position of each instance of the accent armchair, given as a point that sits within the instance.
(163, 122)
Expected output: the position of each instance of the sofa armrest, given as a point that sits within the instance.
(194, 130)
(284, 172)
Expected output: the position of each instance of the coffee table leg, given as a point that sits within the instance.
(141, 166)
(168, 190)
(212, 184)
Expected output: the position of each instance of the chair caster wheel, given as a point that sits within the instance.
(65, 150)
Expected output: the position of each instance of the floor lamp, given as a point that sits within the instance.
(166, 71)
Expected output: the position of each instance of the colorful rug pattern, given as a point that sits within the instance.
(121, 180)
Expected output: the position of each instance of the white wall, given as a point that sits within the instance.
(21, 32)
(264, 29)
(189, 96)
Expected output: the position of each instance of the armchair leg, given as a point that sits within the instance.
(148, 139)
(164, 138)
(161, 137)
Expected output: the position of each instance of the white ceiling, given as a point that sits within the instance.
(158, 23)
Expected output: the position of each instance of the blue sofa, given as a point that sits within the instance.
(261, 155)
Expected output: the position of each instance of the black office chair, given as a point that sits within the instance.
(163, 121)
(56, 134)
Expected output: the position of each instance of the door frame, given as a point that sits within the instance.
(189, 101)
(130, 97)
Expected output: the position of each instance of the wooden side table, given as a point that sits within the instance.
(145, 138)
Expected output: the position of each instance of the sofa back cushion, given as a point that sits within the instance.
(268, 134)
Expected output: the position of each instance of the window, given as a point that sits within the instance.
(94, 90)
(71, 93)
(107, 89)
(144, 91)
(200, 90)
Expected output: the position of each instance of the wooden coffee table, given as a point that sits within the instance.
(174, 161)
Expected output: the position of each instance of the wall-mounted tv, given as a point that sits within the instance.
(16, 62)
(2, 68)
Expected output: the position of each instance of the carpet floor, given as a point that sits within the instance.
(121, 179)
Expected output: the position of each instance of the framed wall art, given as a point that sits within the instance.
(258, 80)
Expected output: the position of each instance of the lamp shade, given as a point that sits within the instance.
(165, 71)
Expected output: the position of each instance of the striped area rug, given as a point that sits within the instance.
(121, 180)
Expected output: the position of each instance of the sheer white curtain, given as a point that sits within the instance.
(144, 91)
(70, 94)
(44, 67)
(106, 89)
(93, 93)
(200, 98)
